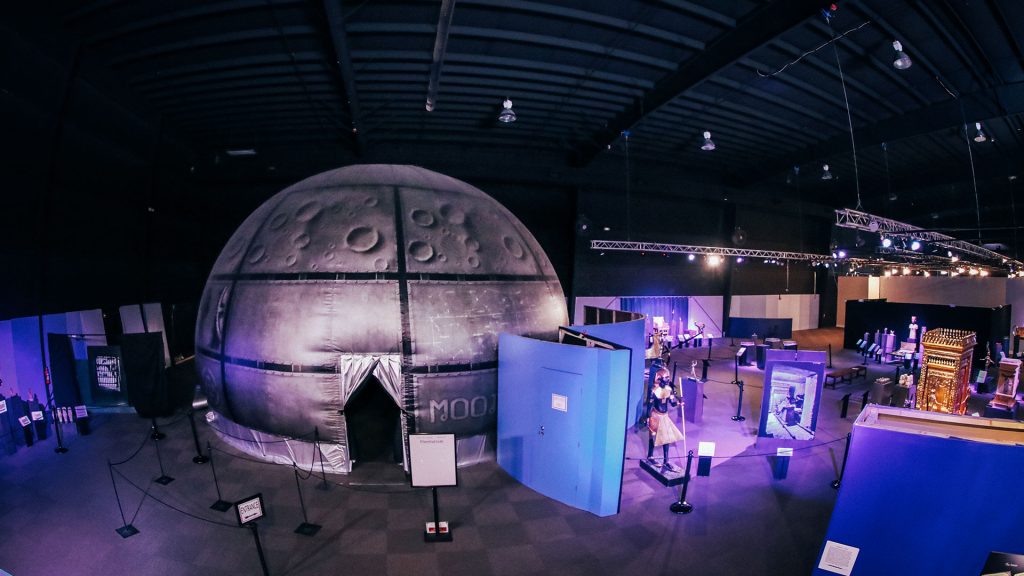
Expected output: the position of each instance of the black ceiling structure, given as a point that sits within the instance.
(783, 86)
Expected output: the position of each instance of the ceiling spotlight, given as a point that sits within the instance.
(714, 260)
(902, 61)
(690, 257)
(739, 259)
(607, 228)
(906, 271)
(954, 258)
(507, 115)
(842, 253)
(915, 245)
(886, 242)
(983, 272)
(826, 175)
(980, 136)
(973, 272)
(927, 274)
(949, 253)
(888, 273)
(708, 144)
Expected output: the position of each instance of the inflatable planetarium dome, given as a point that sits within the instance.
(364, 304)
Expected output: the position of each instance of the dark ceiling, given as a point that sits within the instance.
(312, 85)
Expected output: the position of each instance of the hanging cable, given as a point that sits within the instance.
(813, 50)
(849, 118)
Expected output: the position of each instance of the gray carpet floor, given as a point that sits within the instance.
(58, 513)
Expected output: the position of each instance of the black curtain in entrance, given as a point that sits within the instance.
(372, 420)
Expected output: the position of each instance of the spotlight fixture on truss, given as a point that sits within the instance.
(980, 135)
(507, 115)
(902, 61)
(708, 144)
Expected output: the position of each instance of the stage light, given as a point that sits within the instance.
(886, 242)
(708, 144)
(739, 259)
(906, 271)
(983, 272)
(888, 273)
(842, 253)
(825, 174)
(973, 272)
(902, 61)
(954, 259)
(927, 274)
(690, 257)
(980, 136)
(714, 260)
(949, 253)
(915, 245)
(507, 115)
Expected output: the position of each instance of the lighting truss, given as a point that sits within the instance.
(706, 250)
(857, 220)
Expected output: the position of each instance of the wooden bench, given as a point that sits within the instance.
(838, 376)
(858, 372)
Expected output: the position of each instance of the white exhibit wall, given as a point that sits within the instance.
(1015, 298)
(133, 322)
(960, 290)
(801, 308)
(706, 309)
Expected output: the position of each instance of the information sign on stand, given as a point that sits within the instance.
(432, 464)
(249, 509)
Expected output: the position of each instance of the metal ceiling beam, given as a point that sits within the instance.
(706, 250)
(343, 57)
(981, 105)
(761, 26)
(444, 23)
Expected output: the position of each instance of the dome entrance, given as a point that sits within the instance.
(372, 421)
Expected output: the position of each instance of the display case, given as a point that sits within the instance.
(1006, 388)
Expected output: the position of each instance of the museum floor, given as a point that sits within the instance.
(58, 513)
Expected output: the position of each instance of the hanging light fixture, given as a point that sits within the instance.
(826, 175)
(980, 136)
(708, 144)
(507, 115)
(915, 245)
(902, 61)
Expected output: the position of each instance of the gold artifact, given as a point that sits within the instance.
(1006, 387)
(945, 370)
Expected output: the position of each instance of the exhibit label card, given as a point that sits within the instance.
(838, 558)
(81, 412)
(24, 421)
(560, 403)
(432, 460)
(37, 415)
(3, 406)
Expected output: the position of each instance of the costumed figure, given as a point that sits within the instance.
(663, 431)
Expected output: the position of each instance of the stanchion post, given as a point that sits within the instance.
(156, 434)
(323, 485)
(739, 404)
(842, 471)
(126, 530)
(164, 479)
(199, 458)
(57, 424)
(306, 529)
(220, 505)
(845, 406)
(830, 355)
(681, 506)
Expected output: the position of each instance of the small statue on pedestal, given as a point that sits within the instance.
(912, 334)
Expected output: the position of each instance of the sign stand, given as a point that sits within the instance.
(249, 510)
(432, 464)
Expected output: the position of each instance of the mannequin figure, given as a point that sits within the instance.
(663, 431)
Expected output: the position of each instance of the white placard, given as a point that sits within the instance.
(559, 402)
(3, 406)
(838, 558)
(784, 452)
(83, 412)
(249, 509)
(706, 449)
(37, 415)
(24, 421)
(432, 459)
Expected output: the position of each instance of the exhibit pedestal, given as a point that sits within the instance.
(665, 476)
(997, 411)
(693, 400)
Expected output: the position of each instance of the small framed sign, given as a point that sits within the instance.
(560, 402)
(3, 406)
(432, 460)
(24, 421)
(249, 509)
(37, 415)
(81, 412)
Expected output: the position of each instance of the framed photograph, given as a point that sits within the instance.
(792, 394)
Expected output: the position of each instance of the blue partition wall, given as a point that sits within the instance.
(562, 420)
(917, 504)
(628, 335)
